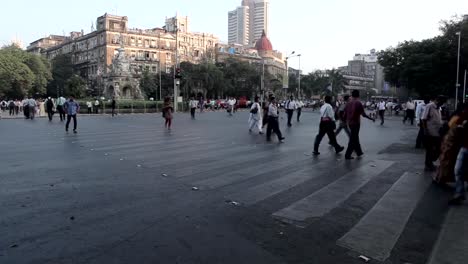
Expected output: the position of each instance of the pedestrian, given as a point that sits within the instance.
(32, 104)
(300, 105)
(72, 108)
(60, 103)
(342, 125)
(113, 105)
(3, 105)
(17, 106)
(290, 106)
(50, 108)
(419, 112)
(193, 106)
(96, 106)
(352, 114)
(41, 108)
(461, 167)
(382, 107)
(201, 103)
(327, 126)
(410, 112)
(90, 107)
(255, 119)
(168, 111)
(11, 107)
(432, 123)
(273, 122)
(231, 106)
(25, 104)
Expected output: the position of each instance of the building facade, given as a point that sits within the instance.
(248, 22)
(94, 55)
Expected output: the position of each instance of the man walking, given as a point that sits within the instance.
(60, 102)
(193, 106)
(72, 108)
(290, 106)
(419, 113)
(353, 112)
(96, 106)
(273, 123)
(300, 105)
(432, 122)
(342, 124)
(255, 118)
(410, 108)
(382, 107)
(90, 107)
(113, 105)
(327, 126)
(32, 107)
(50, 108)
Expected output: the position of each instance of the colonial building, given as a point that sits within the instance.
(95, 55)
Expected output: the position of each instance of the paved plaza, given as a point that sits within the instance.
(125, 190)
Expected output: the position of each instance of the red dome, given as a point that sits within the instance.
(264, 44)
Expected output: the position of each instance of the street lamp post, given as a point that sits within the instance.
(299, 75)
(457, 84)
(176, 81)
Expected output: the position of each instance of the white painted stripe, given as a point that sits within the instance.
(378, 231)
(452, 245)
(323, 201)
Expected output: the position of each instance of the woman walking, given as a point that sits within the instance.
(327, 126)
(255, 119)
(168, 111)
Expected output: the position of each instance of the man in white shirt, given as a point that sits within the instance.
(193, 104)
(300, 105)
(290, 106)
(432, 122)
(90, 107)
(410, 109)
(232, 104)
(419, 113)
(60, 102)
(327, 126)
(273, 124)
(382, 107)
(96, 106)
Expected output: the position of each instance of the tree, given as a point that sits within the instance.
(427, 66)
(62, 71)
(149, 84)
(75, 86)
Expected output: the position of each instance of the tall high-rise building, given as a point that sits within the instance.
(247, 22)
(239, 26)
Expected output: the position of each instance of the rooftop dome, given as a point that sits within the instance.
(263, 44)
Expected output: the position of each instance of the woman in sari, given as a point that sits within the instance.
(451, 144)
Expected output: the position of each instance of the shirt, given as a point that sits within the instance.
(290, 105)
(353, 111)
(61, 101)
(89, 104)
(273, 110)
(300, 104)
(96, 103)
(420, 111)
(326, 111)
(410, 106)
(72, 107)
(382, 106)
(32, 102)
(193, 103)
(433, 119)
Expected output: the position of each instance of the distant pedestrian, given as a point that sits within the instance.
(382, 107)
(50, 108)
(96, 106)
(193, 104)
(327, 126)
(72, 108)
(299, 105)
(89, 105)
(342, 125)
(60, 107)
(201, 103)
(231, 106)
(273, 122)
(113, 105)
(32, 105)
(25, 104)
(255, 118)
(3, 105)
(353, 112)
(11, 107)
(419, 113)
(432, 123)
(290, 106)
(168, 111)
(17, 106)
(410, 110)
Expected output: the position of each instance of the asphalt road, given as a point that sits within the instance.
(121, 191)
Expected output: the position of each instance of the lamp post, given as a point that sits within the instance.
(457, 85)
(299, 75)
(176, 81)
(159, 66)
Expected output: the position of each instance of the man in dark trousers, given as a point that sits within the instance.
(72, 108)
(50, 108)
(352, 114)
(113, 104)
(290, 106)
(273, 124)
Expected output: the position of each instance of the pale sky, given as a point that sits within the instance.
(327, 32)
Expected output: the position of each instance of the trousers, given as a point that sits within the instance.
(328, 129)
(69, 118)
(354, 145)
(273, 125)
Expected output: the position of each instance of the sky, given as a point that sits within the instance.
(327, 33)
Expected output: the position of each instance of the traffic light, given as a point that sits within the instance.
(178, 73)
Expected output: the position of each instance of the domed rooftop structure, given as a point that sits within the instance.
(264, 44)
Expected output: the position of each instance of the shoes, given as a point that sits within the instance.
(360, 155)
(74, 132)
(282, 139)
(457, 200)
(316, 153)
(339, 150)
(261, 133)
(250, 130)
(349, 158)
(289, 125)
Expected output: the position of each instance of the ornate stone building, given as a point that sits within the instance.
(113, 57)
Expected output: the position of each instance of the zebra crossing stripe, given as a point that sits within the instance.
(377, 232)
(452, 244)
(324, 200)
